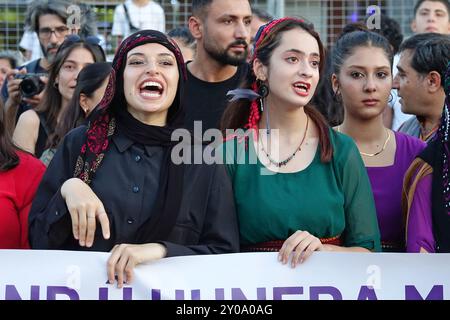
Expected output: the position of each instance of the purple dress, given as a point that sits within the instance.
(387, 184)
(420, 223)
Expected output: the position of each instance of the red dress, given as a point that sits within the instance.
(17, 189)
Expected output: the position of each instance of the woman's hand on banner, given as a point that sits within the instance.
(301, 245)
(125, 257)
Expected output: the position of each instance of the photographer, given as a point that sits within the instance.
(48, 18)
(9, 60)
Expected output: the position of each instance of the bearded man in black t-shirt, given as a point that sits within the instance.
(222, 31)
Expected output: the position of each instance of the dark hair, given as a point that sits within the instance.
(184, 34)
(390, 29)
(262, 14)
(352, 27)
(50, 105)
(446, 3)
(8, 156)
(38, 8)
(88, 81)
(353, 35)
(199, 7)
(13, 57)
(324, 99)
(348, 42)
(237, 113)
(430, 52)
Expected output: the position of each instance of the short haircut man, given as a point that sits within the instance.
(222, 31)
(420, 82)
(431, 16)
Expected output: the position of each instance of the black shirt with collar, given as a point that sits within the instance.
(127, 184)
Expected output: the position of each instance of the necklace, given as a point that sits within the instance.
(285, 162)
(378, 152)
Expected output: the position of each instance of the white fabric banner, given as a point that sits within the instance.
(49, 275)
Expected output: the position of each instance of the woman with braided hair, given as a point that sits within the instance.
(119, 172)
(308, 189)
(426, 197)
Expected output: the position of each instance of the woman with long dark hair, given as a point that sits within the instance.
(20, 174)
(90, 88)
(307, 188)
(117, 185)
(35, 126)
(362, 79)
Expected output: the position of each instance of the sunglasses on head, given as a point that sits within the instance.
(73, 38)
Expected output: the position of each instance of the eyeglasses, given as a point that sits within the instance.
(46, 33)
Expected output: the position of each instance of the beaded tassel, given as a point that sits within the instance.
(255, 115)
(443, 135)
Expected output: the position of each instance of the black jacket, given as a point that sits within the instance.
(127, 183)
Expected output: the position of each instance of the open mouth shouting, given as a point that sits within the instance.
(302, 88)
(151, 89)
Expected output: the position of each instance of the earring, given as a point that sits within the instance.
(391, 98)
(446, 123)
(337, 96)
(55, 85)
(263, 90)
(267, 121)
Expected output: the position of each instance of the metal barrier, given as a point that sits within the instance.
(328, 16)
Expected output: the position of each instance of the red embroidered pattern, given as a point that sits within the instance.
(275, 245)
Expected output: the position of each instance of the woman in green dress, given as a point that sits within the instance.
(299, 187)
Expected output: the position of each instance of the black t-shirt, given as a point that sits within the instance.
(206, 101)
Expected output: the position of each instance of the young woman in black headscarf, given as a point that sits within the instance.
(119, 173)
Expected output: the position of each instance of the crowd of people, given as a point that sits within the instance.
(310, 154)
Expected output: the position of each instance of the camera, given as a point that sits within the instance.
(31, 84)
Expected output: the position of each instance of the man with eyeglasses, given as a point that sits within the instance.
(48, 18)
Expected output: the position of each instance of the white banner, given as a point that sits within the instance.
(49, 275)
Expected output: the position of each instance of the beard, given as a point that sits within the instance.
(224, 56)
(47, 55)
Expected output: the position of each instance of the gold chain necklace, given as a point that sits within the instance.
(378, 152)
(285, 162)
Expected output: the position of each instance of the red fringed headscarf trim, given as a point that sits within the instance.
(255, 115)
(267, 28)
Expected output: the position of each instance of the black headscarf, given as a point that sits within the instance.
(112, 113)
(437, 155)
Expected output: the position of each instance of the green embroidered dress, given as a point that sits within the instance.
(326, 199)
